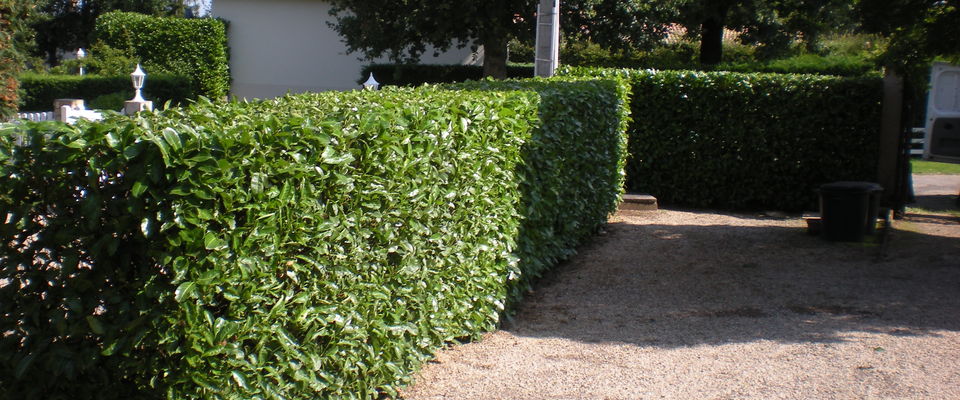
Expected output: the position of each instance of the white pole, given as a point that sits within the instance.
(548, 38)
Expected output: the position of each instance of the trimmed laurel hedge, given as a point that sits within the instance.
(576, 163)
(747, 141)
(313, 246)
(418, 74)
(193, 47)
(40, 90)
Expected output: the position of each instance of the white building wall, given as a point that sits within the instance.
(281, 46)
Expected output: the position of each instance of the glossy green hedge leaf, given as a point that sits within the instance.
(186, 290)
(95, 325)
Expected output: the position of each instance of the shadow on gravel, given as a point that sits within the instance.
(676, 286)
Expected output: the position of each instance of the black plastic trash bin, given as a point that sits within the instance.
(849, 210)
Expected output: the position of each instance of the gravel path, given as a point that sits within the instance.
(696, 305)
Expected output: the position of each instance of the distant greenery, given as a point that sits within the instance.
(934, 167)
(845, 55)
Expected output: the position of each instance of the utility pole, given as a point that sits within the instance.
(548, 38)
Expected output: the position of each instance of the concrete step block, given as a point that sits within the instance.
(638, 202)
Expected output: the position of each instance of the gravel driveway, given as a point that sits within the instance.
(701, 305)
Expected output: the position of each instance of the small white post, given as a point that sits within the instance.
(80, 55)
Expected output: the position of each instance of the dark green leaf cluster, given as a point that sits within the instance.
(747, 141)
(40, 90)
(418, 74)
(196, 48)
(313, 246)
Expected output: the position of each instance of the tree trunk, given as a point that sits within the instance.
(711, 41)
(495, 57)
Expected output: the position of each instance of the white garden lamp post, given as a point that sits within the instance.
(137, 104)
(137, 77)
(371, 84)
(80, 55)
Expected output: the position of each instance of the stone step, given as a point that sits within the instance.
(639, 202)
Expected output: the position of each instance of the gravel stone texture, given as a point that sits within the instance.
(686, 304)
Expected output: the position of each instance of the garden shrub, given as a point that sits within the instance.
(418, 74)
(40, 90)
(312, 246)
(192, 47)
(747, 141)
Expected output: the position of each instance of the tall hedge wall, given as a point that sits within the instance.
(193, 47)
(313, 246)
(40, 90)
(747, 141)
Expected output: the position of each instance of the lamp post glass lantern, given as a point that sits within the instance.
(137, 77)
(371, 84)
(80, 55)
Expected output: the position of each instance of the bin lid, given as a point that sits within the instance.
(851, 187)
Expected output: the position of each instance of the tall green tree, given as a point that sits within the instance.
(15, 40)
(919, 30)
(404, 30)
(771, 24)
(616, 24)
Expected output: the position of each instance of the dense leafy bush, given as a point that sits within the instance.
(418, 74)
(40, 90)
(312, 246)
(194, 47)
(747, 141)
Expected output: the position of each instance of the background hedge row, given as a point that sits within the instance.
(40, 90)
(313, 246)
(418, 74)
(192, 47)
(747, 141)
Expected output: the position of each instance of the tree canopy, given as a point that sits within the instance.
(68, 24)
(919, 30)
(771, 24)
(16, 40)
(404, 30)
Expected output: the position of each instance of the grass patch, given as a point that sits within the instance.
(928, 211)
(934, 167)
